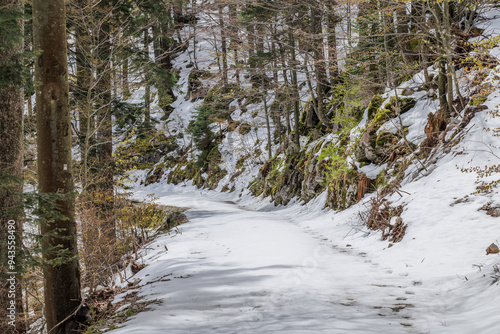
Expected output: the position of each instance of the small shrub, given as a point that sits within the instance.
(379, 217)
(477, 101)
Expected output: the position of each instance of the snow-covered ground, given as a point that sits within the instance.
(236, 270)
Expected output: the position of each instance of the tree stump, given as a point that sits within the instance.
(363, 185)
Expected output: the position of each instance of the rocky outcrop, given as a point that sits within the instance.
(196, 90)
(343, 192)
(376, 146)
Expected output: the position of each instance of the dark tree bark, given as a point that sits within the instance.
(295, 87)
(449, 51)
(293, 64)
(11, 163)
(442, 79)
(147, 80)
(83, 93)
(319, 65)
(268, 125)
(164, 45)
(287, 91)
(235, 41)
(332, 21)
(61, 280)
(105, 196)
(251, 50)
(419, 22)
(403, 33)
(223, 45)
(277, 113)
(125, 83)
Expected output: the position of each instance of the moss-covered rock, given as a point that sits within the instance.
(385, 145)
(381, 116)
(154, 176)
(343, 192)
(220, 96)
(195, 86)
(385, 138)
(389, 111)
(406, 104)
(190, 170)
(241, 162)
(280, 179)
(364, 149)
(314, 173)
(376, 146)
(407, 92)
(374, 105)
(143, 152)
(244, 128)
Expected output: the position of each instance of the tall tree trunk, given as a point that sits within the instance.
(105, 193)
(11, 164)
(193, 25)
(313, 110)
(403, 33)
(147, 79)
(332, 43)
(452, 77)
(276, 115)
(162, 32)
(61, 280)
(178, 18)
(268, 125)
(251, 50)
(275, 58)
(125, 85)
(349, 24)
(295, 87)
(442, 79)
(419, 22)
(319, 65)
(442, 92)
(368, 22)
(287, 91)
(235, 41)
(223, 45)
(83, 93)
(29, 107)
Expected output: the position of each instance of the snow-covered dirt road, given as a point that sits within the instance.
(234, 270)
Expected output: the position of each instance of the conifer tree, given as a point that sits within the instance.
(104, 193)
(62, 296)
(11, 163)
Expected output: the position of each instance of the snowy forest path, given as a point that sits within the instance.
(235, 270)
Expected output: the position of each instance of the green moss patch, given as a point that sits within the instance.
(477, 101)
(374, 105)
(244, 128)
(389, 111)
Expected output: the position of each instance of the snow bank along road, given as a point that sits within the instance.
(240, 271)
